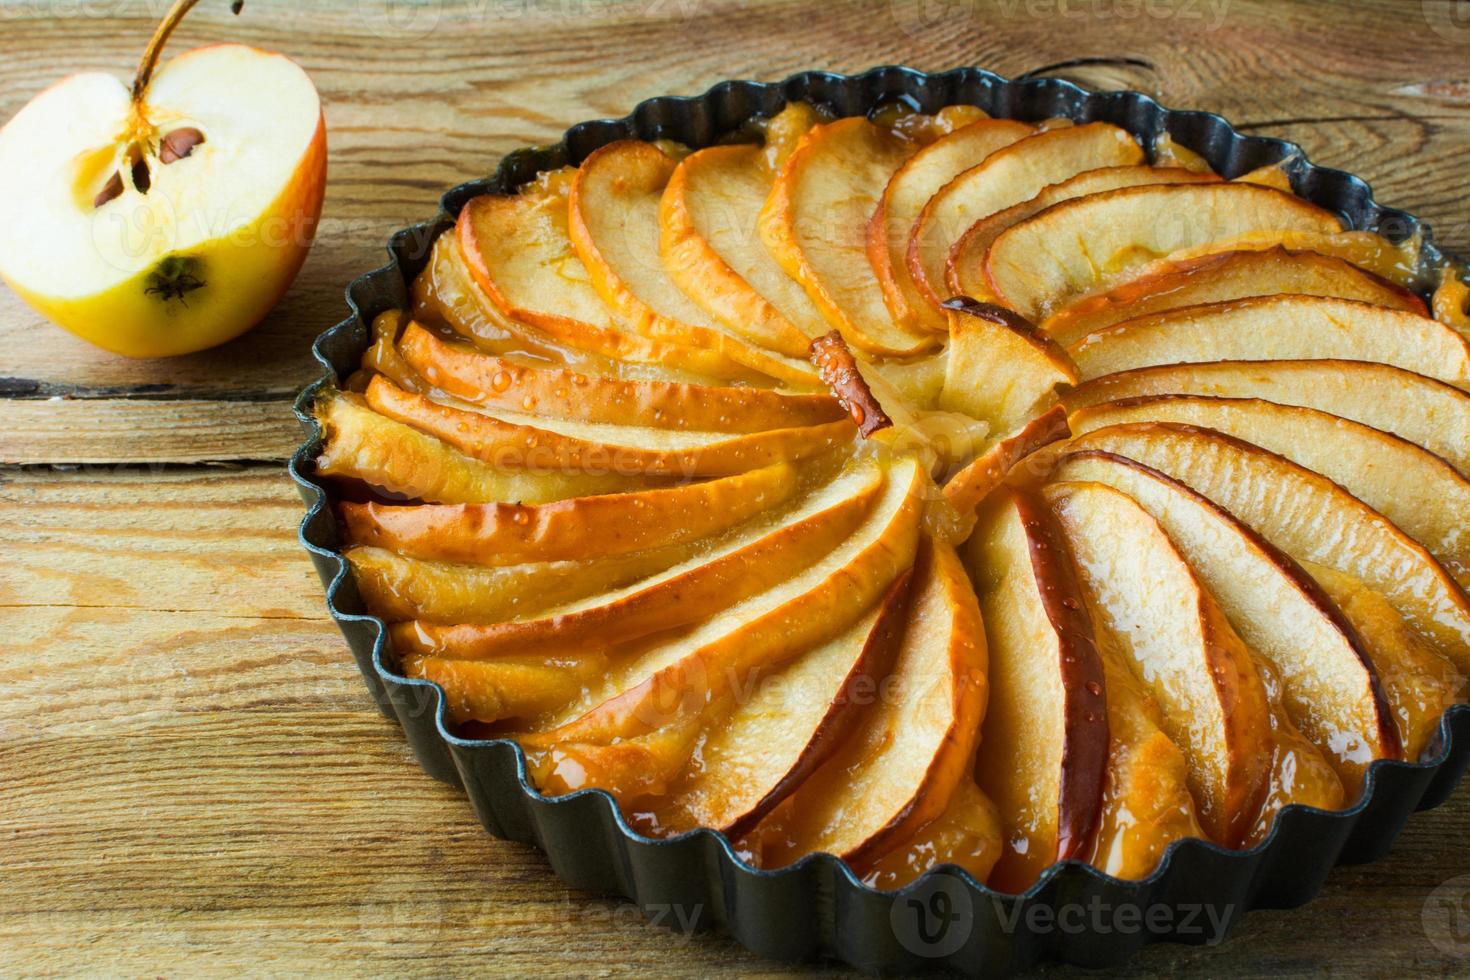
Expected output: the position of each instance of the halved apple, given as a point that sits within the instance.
(518, 386)
(908, 190)
(915, 742)
(583, 527)
(710, 249)
(1089, 243)
(1043, 750)
(519, 251)
(360, 444)
(1281, 327)
(753, 559)
(633, 732)
(815, 225)
(1332, 690)
(613, 222)
(1422, 410)
(970, 486)
(785, 726)
(510, 440)
(1149, 608)
(1307, 516)
(1223, 276)
(1000, 369)
(964, 269)
(1421, 493)
(1008, 176)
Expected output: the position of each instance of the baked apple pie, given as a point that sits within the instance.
(921, 490)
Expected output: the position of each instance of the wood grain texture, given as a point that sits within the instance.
(192, 778)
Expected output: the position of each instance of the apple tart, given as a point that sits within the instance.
(921, 490)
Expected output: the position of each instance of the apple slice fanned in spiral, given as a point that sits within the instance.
(815, 225)
(1332, 689)
(902, 765)
(1280, 327)
(1425, 496)
(1425, 411)
(1220, 277)
(1086, 244)
(1007, 177)
(1043, 747)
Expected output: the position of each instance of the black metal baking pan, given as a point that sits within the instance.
(817, 907)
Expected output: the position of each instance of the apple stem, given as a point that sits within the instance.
(160, 38)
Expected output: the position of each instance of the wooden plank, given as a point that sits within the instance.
(137, 430)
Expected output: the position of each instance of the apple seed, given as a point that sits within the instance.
(178, 144)
(142, 179)
(112, 189)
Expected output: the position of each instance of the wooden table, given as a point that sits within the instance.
(192, 777)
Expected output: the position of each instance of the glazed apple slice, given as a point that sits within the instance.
(1419, 683)
(1146, 803)
(1005, 178)
(613, 223)
(1148, 605)
(707, 239)
(815, 225)
(967, 834)
(1305, 515)
(908, 190)
(517, 441)
(1087, 244)
(915, 742)
(583, 527)
(1332, 690)
(1421, 493)
(1280, 327)
(755, 558)
(1422, 410)
(964, 269)
(634, 732)
(787, 728)
(968, 488)
(1223, 276)
(1000, 369)
(1043, 750)
(519, 252)
(360, 444)
(515, 385)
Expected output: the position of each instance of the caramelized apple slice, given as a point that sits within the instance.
(1007, 177)
(915, 742)
(1149, 607)
(502, 383)
(964, 270)
(519, 252)
(1418, 682)
(967, 834)
(970, 486)
(1332, 690)
(1146, 803)
(1089, 243)
(613, 224)
(815, 226)
(708, 241)
(511, 440)
(398, 588)
(1000, 369)
(583, 527)
(1418, 491)
(1307, 516)
(787, 727)
(1422, 410)
(1223, 276)
(908, 190)
(1282, 327)
(517, 686)
(360, 444)
(1043, 750)
(754, 559)
(634, 731)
